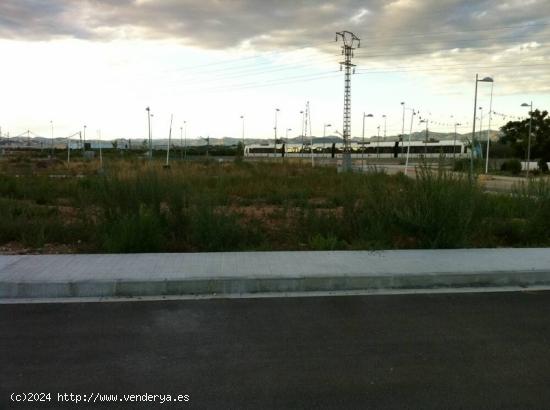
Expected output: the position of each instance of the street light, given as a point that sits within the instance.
(426, 121)
(185, 140)
(148, 109)
(454, 143)
(489, 129)
(287, 130)
(181, 143)
(242, 118)
(413, 113)
(325, 129)
(403, 127)
(484, 80)
(325, 126)
(529, 138)
(303, 125)
(378, 143)
(51, 123)
(480, 121)
(275, 128)
(84, 140)
(363, 139)
(385, 125)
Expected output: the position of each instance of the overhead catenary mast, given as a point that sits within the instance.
(350, 43)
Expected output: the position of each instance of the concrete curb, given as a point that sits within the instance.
(239, 286)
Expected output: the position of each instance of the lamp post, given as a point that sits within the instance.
(325, 129)
(385, 124)
(311, 148)
(489, 129)
(275, 128)
(426, 121)
(148, 109)
(480, 122)
(185, 140)
(84, 140)
(167, 165)
(181, 143)
(454, 143)
(242, 131)
(303, 126)
(484, 80)
(363, 140)
(378, 143)
(51, 124)
(529, 137)
(403, 127)
(325, 126)
(413, 113)
(100, 151)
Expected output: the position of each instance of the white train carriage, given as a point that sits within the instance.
(371, 149)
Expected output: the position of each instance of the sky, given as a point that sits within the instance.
(69, 63)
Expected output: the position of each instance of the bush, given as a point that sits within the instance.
(135, 232)
(463, 165)
(512, 166)
(543, 166)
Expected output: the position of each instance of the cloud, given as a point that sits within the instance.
(393, 32)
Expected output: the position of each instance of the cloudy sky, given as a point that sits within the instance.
(207, 62)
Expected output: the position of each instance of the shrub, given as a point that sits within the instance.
(463, 165)
(134, 232)
(512, 166)
(543, 166)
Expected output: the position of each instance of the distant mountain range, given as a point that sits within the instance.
(37, 142)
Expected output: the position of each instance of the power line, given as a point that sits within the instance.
(515, 37)
(439, 68)
(241, 59)
(276, 82)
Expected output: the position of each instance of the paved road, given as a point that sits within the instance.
(409, 351)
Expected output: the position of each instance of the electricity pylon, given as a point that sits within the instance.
(350, 43)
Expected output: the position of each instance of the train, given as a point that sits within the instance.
(385, 149)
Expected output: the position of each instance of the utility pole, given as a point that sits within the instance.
(350, 42)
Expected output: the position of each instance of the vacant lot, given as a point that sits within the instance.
(136, 206)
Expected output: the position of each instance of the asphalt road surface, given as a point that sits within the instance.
(440, 351)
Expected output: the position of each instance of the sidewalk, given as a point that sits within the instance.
(68, 276)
